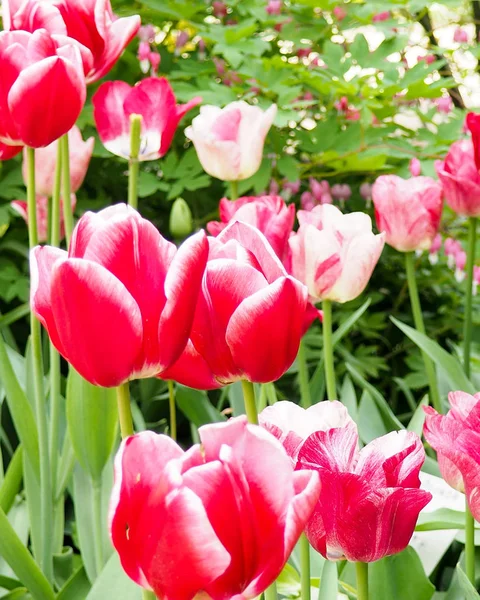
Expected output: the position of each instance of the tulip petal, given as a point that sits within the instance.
(7, 152)
(112, 124)
(192, 370)
(333, 449)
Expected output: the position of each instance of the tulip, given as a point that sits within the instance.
(20, 206)
(408, 211)
(45, 90)
(229, 141)
(118, 305)
(456, 439)
(213, 522)
(90, 22)
(153, 99)
(334, 254)
(269, 214)
(370, 499)
(7, 152)
(46, 160)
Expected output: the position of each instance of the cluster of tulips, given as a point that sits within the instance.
(221, 519)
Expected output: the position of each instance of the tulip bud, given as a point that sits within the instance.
(181, 220)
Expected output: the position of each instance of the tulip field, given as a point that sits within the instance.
(239, 320)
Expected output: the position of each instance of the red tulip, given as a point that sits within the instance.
(43, 87)
(334, 254)
(120, 304)
(91, 22)
(269, 214)
(151, 98)
(408, 211)
(211, 522)
(473, 124)
(7, 152)
(370, 499)
(20, 206)
(46, 162)
(456, 438)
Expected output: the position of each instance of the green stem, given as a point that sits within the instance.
(173, 413)
(46, 496)
(303, 376)
(420, 326)
(148, 595)
(305, 567)
(66, 186)
(469, 544)
(362, 580)
(467, 326)
(233, 190)
(124, 410)
(249, 400)
(97, 524)
(271, 592)
(15, 314)
(56, 193)
(328, 350)
(133, 164)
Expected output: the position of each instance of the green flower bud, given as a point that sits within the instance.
(181, 220)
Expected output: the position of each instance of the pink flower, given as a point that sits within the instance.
(155, 59)
(408, 211)
(460, 36)
(366, 190)
(146, 33)
(292, 187)
(434, 249)
(334, 254)
(274, 7)
(460, 262)
(444, 105)
(456, 438)
(320, 191)
(339, 13)
(452, 247)
(229, 141)
(304, 52)
(143, 51)
(20, 206)
(120, 303)
(415, 167)
(307, 201)
(219, 9)
(342, 104)
(46, 161)
(269, 214)
(153, 99)
(382, 16)
(476, 279)
(341, 191)
(181, 39)
(212, 521)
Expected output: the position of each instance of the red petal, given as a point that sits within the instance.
(109, 112)
(192, 370)
(7, 152)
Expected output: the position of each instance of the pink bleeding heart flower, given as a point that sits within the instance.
(382, 16)
(41, 204)
(434, 249)
(341, 191)
(214, 512)
(339, 13)
(415, 167)
(460, 36)
(152, 98)
(444, 105)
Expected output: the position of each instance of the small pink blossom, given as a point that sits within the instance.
(303, 52)
(307, 201)
(274, 7)
(339, 13)
(476, 279)
(219, 9)
(154, 58)
(341, 191)
(146, 33)
(143, 51)
(415, 167)
(460, 262)
(444, 104)
(460, 36)
(366, 191)
(434, 249)
(382, 16)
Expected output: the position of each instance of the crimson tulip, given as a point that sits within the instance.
(7, 152)
(334, 254)
(41, 204)
(269, 214)
(91, 22)
(408, 211)
(43, 86)
(120, 303)
(211, 522)
(456, 439)
(153, 99)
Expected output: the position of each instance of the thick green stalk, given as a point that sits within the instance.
(133, 164)
(124, 410)
(148, 595)
(328, 350)
(249, 400)
(66, 187)
(97, 524)
(305, 567)
(362, 580)
(271, 592)
(173, 413)
(420, 326)
(233, 190)
(46, 496)
(305, 396)
(469, 544)
(467, 325)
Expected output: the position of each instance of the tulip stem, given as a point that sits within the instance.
(420, 326)
(233, 190)
(271, 592)
(249, 400)
(124, 410)
(362, 580)
(173, 413)
(328, 350)
(133, 164)
(469, 544)
(148, 595)
(97, 524)
(467, 325)
(305, 395)
(66, 186)
(304, 567)
(46, 496)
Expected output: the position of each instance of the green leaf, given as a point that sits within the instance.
(329, 581)
(369, 419)
(196, 406)
(442, 518)
(449, 364)
(288, 167)
(12, 481)
(7, 583)
(114, 583)
(349, 397)
(288, 582)
(345, 327)
(418, 418)
(470, 592)
(76, 587)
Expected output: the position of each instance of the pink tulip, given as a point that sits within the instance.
(120, 303)
(408, 211)
(415, 167)
(229, 141)
(20, 206)
(46, 161)
(370, 499)
(334, 254)
(90, 22)
(460, 36)
(211, 522)
(339, 13)
(269, 214)
(456, 438)
(153, 99)
(382, 16)
(45, 90)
